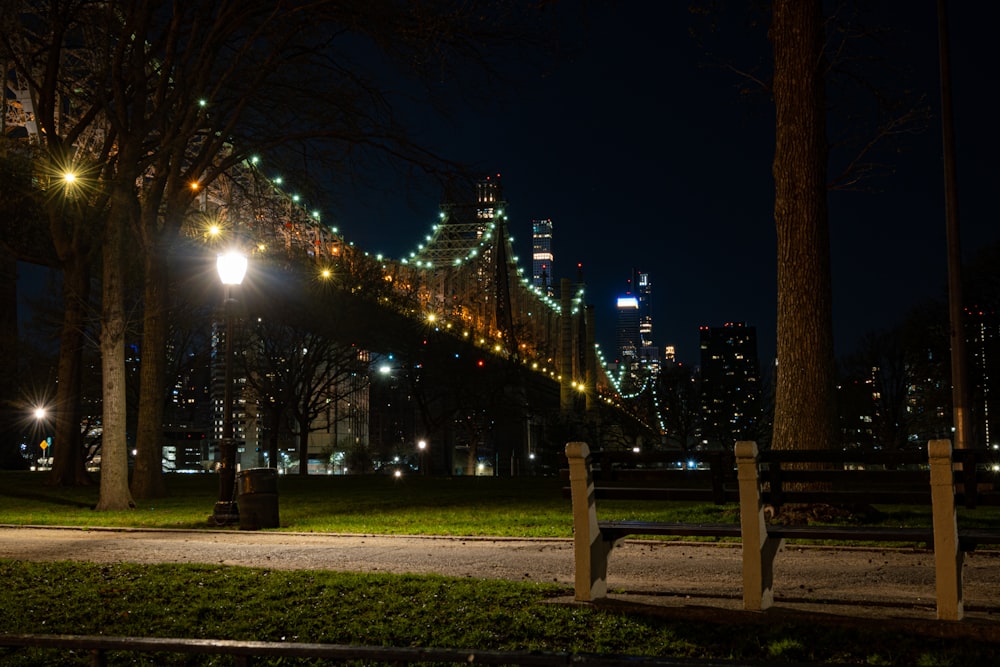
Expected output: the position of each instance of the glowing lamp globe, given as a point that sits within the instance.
(232, 267)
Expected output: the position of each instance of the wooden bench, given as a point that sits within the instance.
(766, 481)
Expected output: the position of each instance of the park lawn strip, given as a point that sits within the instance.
(225, 602)
(379, 504)
(414, 505)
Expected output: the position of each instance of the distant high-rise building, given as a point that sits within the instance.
(628, 328)
(730, 382)
(635, 322)
(638, 358)
(489, 197)
(669, 354)
(541, 255)
(648, 353)
(982, 336)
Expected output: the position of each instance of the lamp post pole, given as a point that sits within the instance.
(232, 267)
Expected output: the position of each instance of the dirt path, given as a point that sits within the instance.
(884, 583)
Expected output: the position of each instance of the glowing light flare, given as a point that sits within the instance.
(232, 267)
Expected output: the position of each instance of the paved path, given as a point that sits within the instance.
(884, 583)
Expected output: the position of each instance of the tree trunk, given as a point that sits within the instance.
(304, 447)
(114, 494)
(11, 410)
(68, 466)
(805, 409)
(147, 479)
(272, 438)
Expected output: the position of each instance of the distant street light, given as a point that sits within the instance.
(41, 417)
(422, 446)
(232, 267)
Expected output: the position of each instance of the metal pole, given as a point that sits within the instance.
(226, 510)
(959, 381)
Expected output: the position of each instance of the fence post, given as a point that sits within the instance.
(948, 554)
(590, 550)
(758, 549)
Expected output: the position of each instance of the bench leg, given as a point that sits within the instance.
(759, 550)
(948, 553)
(592, 573)
(758, 573)
(590, 549)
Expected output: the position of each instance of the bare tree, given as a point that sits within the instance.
(880, 368)
(805, 401)
(811, 55)
(303, 374)
(47, 46)
(680, 402)
(188, 91)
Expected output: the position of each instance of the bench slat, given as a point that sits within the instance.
(970, 538)
(617, 529)
(849, 498)
(852, 533)
(661, 493)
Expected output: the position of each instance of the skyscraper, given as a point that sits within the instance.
(638, 358)
(648, 353)
(982, 336)
(541, 255)
(628, 328)
(730, 382)
(635, 322)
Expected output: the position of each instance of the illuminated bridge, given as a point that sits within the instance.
(462, 283)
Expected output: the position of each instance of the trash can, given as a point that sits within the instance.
(258, 498)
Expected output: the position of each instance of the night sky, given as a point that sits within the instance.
(645, 153)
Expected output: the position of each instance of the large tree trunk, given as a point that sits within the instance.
(147, 479)
(68, 466)
(11, 411)
(114, 493)
(805, 409)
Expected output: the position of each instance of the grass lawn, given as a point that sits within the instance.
(209, 601)
(411, 505)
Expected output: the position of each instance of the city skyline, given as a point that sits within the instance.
(690, 200)
(644, 151)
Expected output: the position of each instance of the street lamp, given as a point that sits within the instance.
(41, 417)
(232, 267)
(422, 446)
